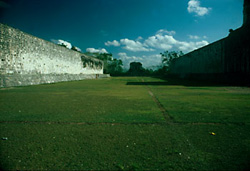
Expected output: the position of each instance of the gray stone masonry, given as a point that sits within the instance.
(28, 60)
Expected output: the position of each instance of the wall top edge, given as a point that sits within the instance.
(52, 44)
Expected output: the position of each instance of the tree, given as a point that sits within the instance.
(63, 45)
(115, 67)
(75, 49)
(111, 66)
(168, 57)
(106, 58)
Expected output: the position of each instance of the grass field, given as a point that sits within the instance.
(125, 123)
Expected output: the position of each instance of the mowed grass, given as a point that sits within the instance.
(109, 124)
(106, 100)
(206, 104)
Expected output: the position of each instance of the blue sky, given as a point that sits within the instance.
(132, 30)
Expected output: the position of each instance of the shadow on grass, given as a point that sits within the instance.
(185, 82)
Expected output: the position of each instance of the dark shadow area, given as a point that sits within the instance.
(148, 83)
(186, 82)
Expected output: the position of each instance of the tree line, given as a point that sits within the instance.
(114, 67)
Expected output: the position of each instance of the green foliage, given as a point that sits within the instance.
(63, 45)
(111, 66)
(115, 67)
(168, 57)
(74, 48)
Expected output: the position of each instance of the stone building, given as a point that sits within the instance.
(226, 60)
(28, 60)
(136, 69)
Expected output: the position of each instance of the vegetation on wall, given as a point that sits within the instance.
(111, 66)
(167, 59)
(76, 49)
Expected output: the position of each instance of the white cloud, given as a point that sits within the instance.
(125, 57)
(168, 42)
(78, 49)
(162, 40)
(128, 59)
(193, 37)
(134, 46)
(139, 38)
(163, 31)
(194, 7)
(151, 60)
(93, 50)
(113, 43)
(146, 60)
(190, 46)
(62, 42)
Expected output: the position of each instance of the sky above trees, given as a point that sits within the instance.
(132, 30)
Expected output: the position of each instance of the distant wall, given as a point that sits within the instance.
(237, 51)
(208, 59)
(226, 60)
(24, 57)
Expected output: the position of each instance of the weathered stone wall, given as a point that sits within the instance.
(226, 60)
(27, 60)
(208, 59)
(237, 51)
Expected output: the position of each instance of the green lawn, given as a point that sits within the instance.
(117, 124)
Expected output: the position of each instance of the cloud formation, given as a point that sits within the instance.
(147, 51)
(78, 49)
(93, 50)
(163, 31)
(113, 43)
(134, 46)
(139, 38)
(67, 44)
(146, 60)
(190, 46)
(162, 40)
(62, 42)
(193, 37)
(194, 7)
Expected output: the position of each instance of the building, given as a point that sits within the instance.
(136, 69)
(226, 60)
(29, 60)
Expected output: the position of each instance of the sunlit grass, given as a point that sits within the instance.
(84, 101)
(109, 124)
(206, 104)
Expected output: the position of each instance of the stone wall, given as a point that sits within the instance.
(28, 60)
(208, 59)
(226, 60)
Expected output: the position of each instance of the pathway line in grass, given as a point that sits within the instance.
(163, 110)
(160, 106)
